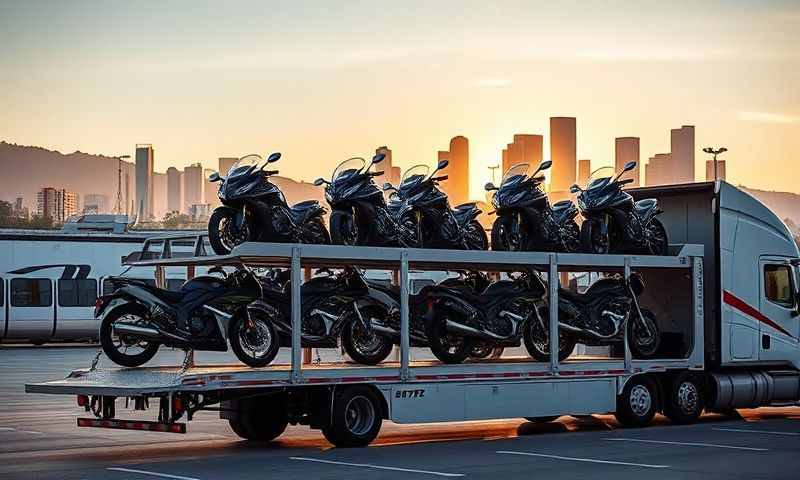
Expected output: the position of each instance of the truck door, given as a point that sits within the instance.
(31, 313)
(779, 323)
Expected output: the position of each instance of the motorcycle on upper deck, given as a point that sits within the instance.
(419, 206)
(525, 220)
(614, 223)
(255, 209)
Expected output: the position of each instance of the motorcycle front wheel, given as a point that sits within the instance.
(657, 237)
(317, 232)
(122, 349)
(447, 347)
(223, 233)
(253, 339)
(507, 234)
(343, 228)
(365, 347)
(593, 239)
(537, 342)
(476, 236)
(642, 343)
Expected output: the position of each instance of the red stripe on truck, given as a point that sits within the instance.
(748, 310)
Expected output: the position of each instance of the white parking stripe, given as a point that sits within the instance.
(577, 459)
(746, 430)
(152, 474)
(688, 444)
(378, 467)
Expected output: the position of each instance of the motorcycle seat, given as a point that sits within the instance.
(169, 296)
(465, 208)
(304, 205)
(644, 206)
(562, 205)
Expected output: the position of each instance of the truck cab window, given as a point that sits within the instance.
(77, 292)
(778, 286)
(31, 292)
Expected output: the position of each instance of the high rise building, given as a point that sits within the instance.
(174, 190)
(210, 189)
(96, 203)
(682, 146)
(144, 181)
(225, 164)
(563, 153)
(159, 195)
(56, 204)
(505, 164)
(192, 185)
(391, 174)
(584, 170)
(531, 147)
(626, 149)
(513, 155)
(721, 170)
(458, 171)
(658, 170)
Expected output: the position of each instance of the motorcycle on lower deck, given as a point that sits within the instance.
(208, 312)
(614, 223)
(525, 220)
(255, 209)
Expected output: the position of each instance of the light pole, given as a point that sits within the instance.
(715, 152)
(493, 168)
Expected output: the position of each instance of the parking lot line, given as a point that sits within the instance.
(152, 474)
(688, 444)
(577, 459)
(378, 467)
(747, 430)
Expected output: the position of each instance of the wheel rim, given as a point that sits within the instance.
(366, 342)
(229, 235)
(125, 344)
(540, 338)
(359, 415)
(687, 397)
(481, 350)
(255, 339)
(644, 342)
(640, 400)
(600, 242)
(450, 343)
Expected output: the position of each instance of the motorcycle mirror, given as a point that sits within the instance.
(214, 177)
(318, 182)
(274, 157)
(489, 187)
(442, 164)
(574, 188)
(629, 166)
(387, 187)
(378, 158)
(539, 179)
(545, 165)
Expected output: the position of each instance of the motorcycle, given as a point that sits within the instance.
(614, 223)
(328, 313)
(359, 213)
(254, 209)
(525, 220)
(208, 312)
(599, 316)
(424, 209)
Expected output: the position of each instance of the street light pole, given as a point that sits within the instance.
(715, 152)
(493, 168)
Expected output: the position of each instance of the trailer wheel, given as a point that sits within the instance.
(685, 400)
(260, 419)
(356, 417)
(637, 404)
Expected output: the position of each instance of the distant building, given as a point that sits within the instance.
(159, 195)
(19, 210)
(682, 146)
(505, 163)
(144, 181)
(174, 190)
(457, 186)
(56, 204)
(192, 185)
(225, 164)
(658, 169)
(199, 212)
(532, 147)
(721, 170)
(391, 173)
(94, 203)
(584, 170)
(210, 190)
(626, 149)
(563, 153)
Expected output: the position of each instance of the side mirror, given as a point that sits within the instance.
(489, 187)
(629, 166)
(387, 187)
(538, 179)
(214, 177)
(319, 182)
(545, 165)
(442, 164)
(574, 188)
(274, 157)
(378, 158)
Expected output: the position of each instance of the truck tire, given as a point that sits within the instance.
(260, 419)
(356, 417)
(637, 404)
(685, 400)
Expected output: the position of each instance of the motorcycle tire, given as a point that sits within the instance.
(111, 345)
(592, 238)
(476, 236)
(254, 340)
(648, 347)
(317, 232)
(539, 350)
(378, 348)
(414, 237)
(343, 228)
(506, 234)
(572, 237)
(658, 243)
(222, 233)
(447, 348)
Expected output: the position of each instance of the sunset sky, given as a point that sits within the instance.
(322, 81)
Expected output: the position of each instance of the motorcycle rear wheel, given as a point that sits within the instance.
(344, 230)
(445, 346)
(537, 342)
(506, 234)
(117, 348)
(657, 237)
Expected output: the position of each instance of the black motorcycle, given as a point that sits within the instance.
(359, 213)
(205, 314)
(328, 313)
(614, 223)
(599, 316)
(420, 206)
(525, 220)
(255, 209)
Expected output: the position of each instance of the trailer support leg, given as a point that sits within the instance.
(297, 352)
(552, 281)
(405, 340)
(628, 354)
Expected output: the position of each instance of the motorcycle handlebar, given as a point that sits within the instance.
(271, 172)
(626, 181)
(439, 179)
(376, 174)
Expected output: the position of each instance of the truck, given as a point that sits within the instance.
(725, 298)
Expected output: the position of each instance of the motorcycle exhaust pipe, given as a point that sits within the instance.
(461, 329)
(136, 331)
(384, 330)
(590, 333)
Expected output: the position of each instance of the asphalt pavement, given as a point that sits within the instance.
(39, 440)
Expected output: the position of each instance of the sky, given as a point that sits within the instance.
(321, 81)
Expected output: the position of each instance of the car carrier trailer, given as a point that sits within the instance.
(696, 367)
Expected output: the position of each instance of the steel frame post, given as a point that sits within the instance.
(161, 277)
(628, 354)
(552, 298)
(297, 351)
(405, 337)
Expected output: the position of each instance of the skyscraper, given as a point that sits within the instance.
(505, 163)
(531, 147)
(391, 174)
(658, 170)
(192, 186)
(458, 171)
(225, 164)
(96, 203)
(721, 173)
(57, 204)
(159, 195)
(563, 153)
(174, 190)
(584, 170)
(210, 189)
(626, 149)
(144, 181)
(682, 145)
